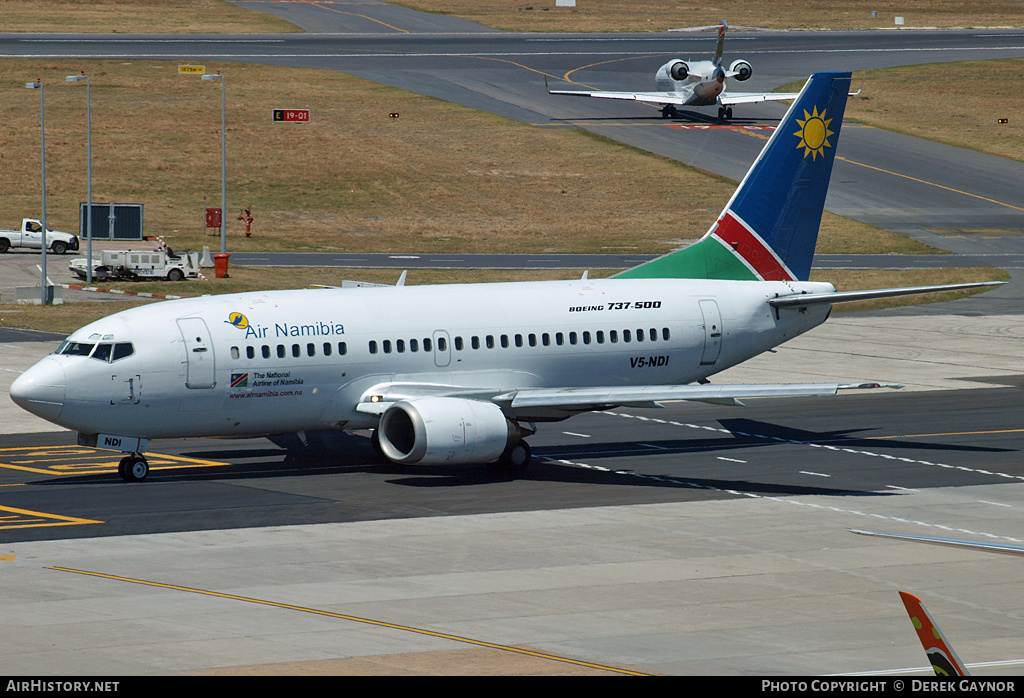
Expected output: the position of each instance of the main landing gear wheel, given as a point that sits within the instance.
(516, 458)
(668, 111)
(725, 112)
(133, 468)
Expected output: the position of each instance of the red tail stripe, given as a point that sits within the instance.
(751, 249)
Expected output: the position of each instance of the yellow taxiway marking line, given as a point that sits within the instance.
(933, 184)
(24, 518)
(355, 619)
(948, 433)
(79, 460)
(356, 14)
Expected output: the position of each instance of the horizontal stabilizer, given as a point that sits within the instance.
(805, 299)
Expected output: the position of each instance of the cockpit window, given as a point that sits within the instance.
(121, 350)
(105, 351)
(77, 349)
(102, 352)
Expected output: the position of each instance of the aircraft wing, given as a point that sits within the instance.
(730, 98)
(557, 403)
(981, 546)
(656, 97)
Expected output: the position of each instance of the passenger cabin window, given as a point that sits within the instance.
(250, 352)
(235, 353)
(342, 348)
(442, 344)
(373, 347)
(458, 343)
(327, 348)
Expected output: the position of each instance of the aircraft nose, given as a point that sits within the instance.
(40, 390)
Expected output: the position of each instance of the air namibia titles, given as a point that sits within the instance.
(315, 329)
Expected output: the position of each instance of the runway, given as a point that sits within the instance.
(692, 540)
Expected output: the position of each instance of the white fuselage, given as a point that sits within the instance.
(702, 85)
(287, 361)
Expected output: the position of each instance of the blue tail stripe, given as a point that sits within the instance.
(783, 194)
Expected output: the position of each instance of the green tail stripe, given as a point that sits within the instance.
(705, 259)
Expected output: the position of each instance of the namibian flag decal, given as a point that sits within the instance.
(239, 380)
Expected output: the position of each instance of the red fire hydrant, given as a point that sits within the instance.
(246, 216)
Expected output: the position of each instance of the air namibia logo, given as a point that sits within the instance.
(238, 320)
(814, 133)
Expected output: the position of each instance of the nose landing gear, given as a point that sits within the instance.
(133, 468)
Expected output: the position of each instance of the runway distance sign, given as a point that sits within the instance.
(292, 116)
(191, 69)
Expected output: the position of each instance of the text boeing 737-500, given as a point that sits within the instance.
(462, 373)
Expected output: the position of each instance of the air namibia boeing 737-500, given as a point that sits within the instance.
(462, 373)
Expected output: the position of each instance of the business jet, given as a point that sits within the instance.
(462, 374)
(693, 84)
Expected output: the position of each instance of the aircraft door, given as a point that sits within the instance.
(442, 349)
(199, 362)
(712, 332)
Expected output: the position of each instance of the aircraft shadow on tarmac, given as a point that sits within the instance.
(768, 433)
(343, 454)
(682, 116)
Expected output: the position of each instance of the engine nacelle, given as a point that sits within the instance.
(678, 70)
(742, 69)
(443, 430)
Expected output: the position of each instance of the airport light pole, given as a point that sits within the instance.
(88, 204)
(45, 298)
(223, 159)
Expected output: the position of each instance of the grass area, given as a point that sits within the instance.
(68, 317)
(439, 178)
(926, 101)
(661, 15)
(136, 17)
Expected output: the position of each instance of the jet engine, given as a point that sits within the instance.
(742, 69)
(441, 430)
(679, 70)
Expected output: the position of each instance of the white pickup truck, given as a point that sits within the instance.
(31, 237)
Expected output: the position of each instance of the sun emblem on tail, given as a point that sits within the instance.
(814, 133)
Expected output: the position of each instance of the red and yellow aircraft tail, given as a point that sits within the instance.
(941, 655)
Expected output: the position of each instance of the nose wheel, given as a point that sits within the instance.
(133, 468)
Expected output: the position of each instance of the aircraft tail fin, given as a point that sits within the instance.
(769, 228)
(720, 47)
(941, 655)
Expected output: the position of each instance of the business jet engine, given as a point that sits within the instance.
(742, 70)
(441, 430)
(678, 70)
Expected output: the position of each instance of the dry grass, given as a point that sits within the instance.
(439, 178)
(661, 15)
(68, 317)
(136, 17)
(926, 101)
